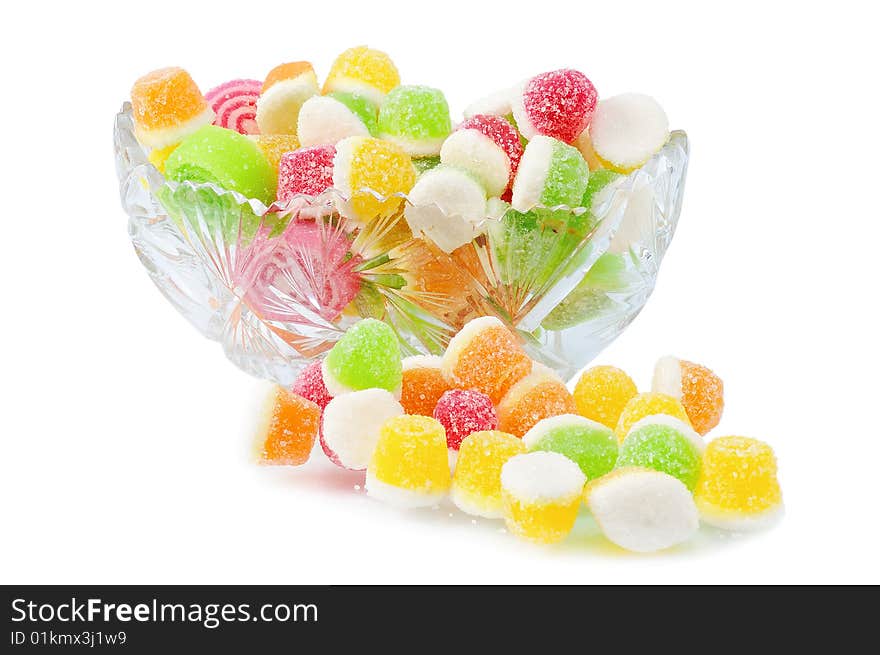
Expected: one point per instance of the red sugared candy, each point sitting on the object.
(559, 104)
(502, 133)
(307, 171)
(463, 412)
(310, 385)
(235, 105)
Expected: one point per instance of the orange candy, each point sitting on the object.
(162, 102)
(535, 397)
(423, 384)
(290, 426)
(700, 391)
(485, 356)
(286, 72)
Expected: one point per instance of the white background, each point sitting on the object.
(125, 434)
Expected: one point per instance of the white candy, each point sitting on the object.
(351, 424)
(531, 176)
(542, 477)
(523, 122)
(667, 377)
(643, 511)
(278, 106)
(626, 130)
(494, 104)
(473, 151)
(448, 206)
(324, 120)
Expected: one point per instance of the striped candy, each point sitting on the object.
(235, 105)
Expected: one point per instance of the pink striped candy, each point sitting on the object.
(235, 105)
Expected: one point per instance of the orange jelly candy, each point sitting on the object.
(289, 428)
(535, 397)
(485, 356)
(423, 384)
(166, 98)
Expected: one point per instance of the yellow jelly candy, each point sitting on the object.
(274, 146)
(363, 71)
(602, 392)
(648, 404)
(738, 489)
(476, 484)
(410, 465)
(541, 494)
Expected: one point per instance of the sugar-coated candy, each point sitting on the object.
(225, 158)
(665, 444)
(367, 356)
(416, 118)
(599, 180)
(488, 147)
(288, 429)
(284, 91)
(351, 423)
(585, 145)
(235, 105)
(310, 385)
(463, 412)
(536, 396)
(425, 164)
(627, 130)
(559, 104)
(589, 444)
(423, 384)
(364, 71)
(448, 206)
(365, 166)
(167, 106)
(647, 404)
(307, 171)
(541, 494)
(329, 119)
(485, 356)
(476, 483)
(274, 146)
(642, 510)
(550, 173)
(738, 489)
(409, 466)
(700, 391)
(497, 103)
(602, 392)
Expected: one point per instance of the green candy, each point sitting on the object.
(226, 158)
(664, 444)
(425, 164)
(416, 118)
(590, 445)
(599, 179)
(361, 107)
(567, 177)
(366, 357)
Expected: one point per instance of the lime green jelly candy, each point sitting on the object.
(665, 444)
(589, 444)
(425, 164)
(361, 107)
(550, 173)
(599, 179)
(366, 357)
(226, 158)
(416, 118)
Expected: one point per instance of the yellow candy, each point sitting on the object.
(275, 145)
(364, 71)
(476, 485)
(648, 404)
(541, 494)
(602, 392)
(738, 489)
(365, 164)
(157, 157)
(410, 465)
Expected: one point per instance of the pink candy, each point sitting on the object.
(307, 171)
(559, 104)
(235, 105)
(310, 385)
(463, 412)
(502, 133)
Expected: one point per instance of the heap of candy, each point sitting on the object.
(545, 143)
(505, 439)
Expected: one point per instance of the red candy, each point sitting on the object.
(310, 385)
(463, 412)
(235, 105)
(306, 171)
(560, 103)
(502, 133)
